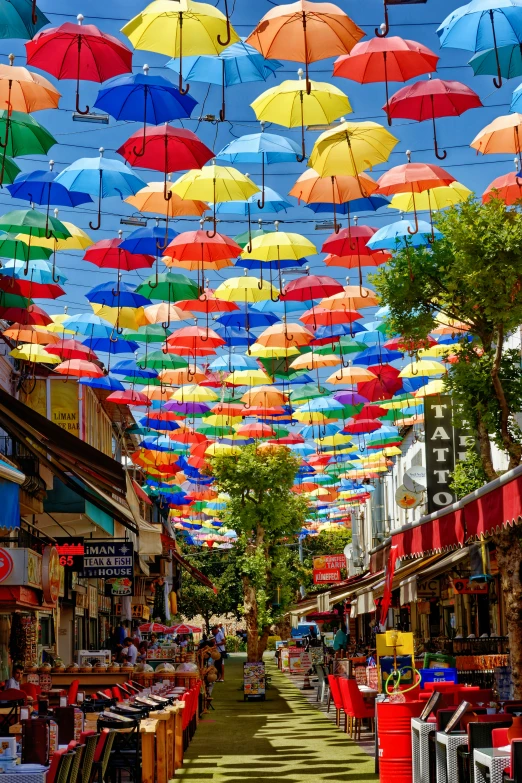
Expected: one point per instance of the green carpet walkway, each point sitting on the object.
(281, 739)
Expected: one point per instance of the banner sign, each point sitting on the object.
(254, 679)
(329, 561)
(71, 551)
(108, 559)
(440, 451)
(326, 575)
(467, 587)
(388, 584)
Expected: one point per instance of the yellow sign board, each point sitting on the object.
(394, 642)
(64, 406)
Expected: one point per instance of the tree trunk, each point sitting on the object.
(485, 450)
(509, 555)
(262, 642)
(250, 614)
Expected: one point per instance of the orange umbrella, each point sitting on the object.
(313, 189)
(414, 178)
(351, 298)
(285, 336)
(375, 258)
(182, 376)
(508, 187)
(502, 135)
(36, 335)
(323, 317)
(305, 31)
(256, 430)
(265, 396)
(79, 368)
(164, 312)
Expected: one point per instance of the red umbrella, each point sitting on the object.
(183, 628)
(129, 397)
(257, 430)
(33, 315)
(322, 317)
(413, 178)
(198, 246)
(153, 628)
(384, 386)
(349, 248)
(288, 439)
(386, 60)
(408, 346)
(206, 303)
(79, 368)
(508, 187)
(166, 149)
(310, 287)
(355, 427)
(74, 51)
(71, 349)
(370, 412)
(430, 99)
(107, 254)
(29, 289)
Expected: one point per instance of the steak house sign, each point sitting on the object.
(444, 447)
(108, 558)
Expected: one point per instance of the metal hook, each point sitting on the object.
(384, 29)
(498, 84)
(229, 29)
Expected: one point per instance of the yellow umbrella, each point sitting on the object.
(272, 352)
(422, 367)
(397, 404)
(292, 105)
(194, 393)
(222, 448)
(314, 361)
(128, 317)
(246, 289)
(180, 28)
(311, 417)
(437, 351)
(351, 148)
(30, 352)
(216, 184)
(351, 375)
(337, 440)
(248, 378)
(433, 387)
(222, 420)
(78, 240)
(428, 200)
(504, 134)
(277, 245)
(57, 325)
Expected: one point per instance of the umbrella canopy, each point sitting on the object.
(190, 28)
(22, 135)
(351, 148)
(504, 134)
(77, 51)
(294, 105)
(151, 198)
(508, 187)
(25, 91)
(305, 32)
(108, 254)
(39, 187)
(435, 198)
(21, 19)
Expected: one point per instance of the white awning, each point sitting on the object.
(365, 602)
(408, 586)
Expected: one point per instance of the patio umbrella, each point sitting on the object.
(430, 99)
(294, 104)
(108, 254)
(351, 148)
(403, 233)
(39, 187)
(166, 149)
(305, 32)
(481, 25)
(509, 58)
(139, 97)
(151, 199)
(352, 243)
(153, 628)
(237, 64)
(75, 51)
(101, 177)
(21, 19)
(385, 60)
(189, 28)
(264, 148)
(215, 183)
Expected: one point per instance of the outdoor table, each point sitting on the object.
(493, 759)
(446, 746)
(176, 711)
(420, 746)
(20, 777)
(162, 755)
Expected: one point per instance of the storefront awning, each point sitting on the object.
(482, 513)
(192, 570)
(425, 572)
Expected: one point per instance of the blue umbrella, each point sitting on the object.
(145, 240)
(482, 25)
(142, 98)
(376, 355)
(101, 177)
(105, 382)
(236, 64)
(516, 100)
(233, 362)
(111, 346)
(273, 202)
(38, 271)
(40, 187)
(369, 204)
(88, 324)
(130, 367)
(116, 294)
(247, 318)
(264, 148)
(287, 263)
(280, 307)
(335, 331)
(396, 235)
(235, 337)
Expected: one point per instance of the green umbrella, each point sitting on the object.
(244, 238)
(20, 19)
(280, 432)
(11, 171)
(33, 223)
(171, 287)
(157, 360)
(14, 300)
(152, 333)
(137, 430)
(215, 432)
(22, 135)
(345, 345)
(21, 251)
(307, 391)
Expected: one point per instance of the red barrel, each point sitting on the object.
(394, 739)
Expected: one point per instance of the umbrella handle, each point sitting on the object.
(229, 31)
(183, 90)
(261, 201)
(34, 15)
(78, 110)
(300, 158)
(440, 155)
(98, 225)
(212, 234)
(166, 196)
(498, 84)
(135, 149)
(155, 285)
(386, 30)
(416, 231)
(55, 278)
(222, 111)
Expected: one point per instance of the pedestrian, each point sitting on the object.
(219, 639)
(154, 644)
(142, 652)
(130, 652)
(339, 642)
(121, 633)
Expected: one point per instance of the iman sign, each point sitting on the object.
(108, 559)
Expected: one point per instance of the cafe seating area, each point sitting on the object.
(124, 733)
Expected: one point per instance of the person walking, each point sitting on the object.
(219, 639)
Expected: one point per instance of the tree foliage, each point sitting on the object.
(468, 475)
(472, 275)
(266, 515)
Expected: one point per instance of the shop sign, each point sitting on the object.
(108, 559)
(92, 597)
(294, 660)
(329, 561)
(428, 588)
(326, 575)
(51, 574)
(71, 551)
(64, 406)
(20, 567)
(467, 587)
(440, 451)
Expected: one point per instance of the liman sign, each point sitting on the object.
(108, 558)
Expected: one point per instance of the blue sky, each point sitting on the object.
(417, 22)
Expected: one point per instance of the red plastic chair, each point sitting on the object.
(72, 693)
(499, 738)
(475, 695)
(186, 699)
(335, 696)
(85, 734)
(117, 693)
(31, 690)
(347, 704)
(100, 747)
(361, 710)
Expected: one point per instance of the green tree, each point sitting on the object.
(473, 275)
(266, 515)
(221, 567)
(328, 542)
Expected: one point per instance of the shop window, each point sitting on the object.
(46, 631)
